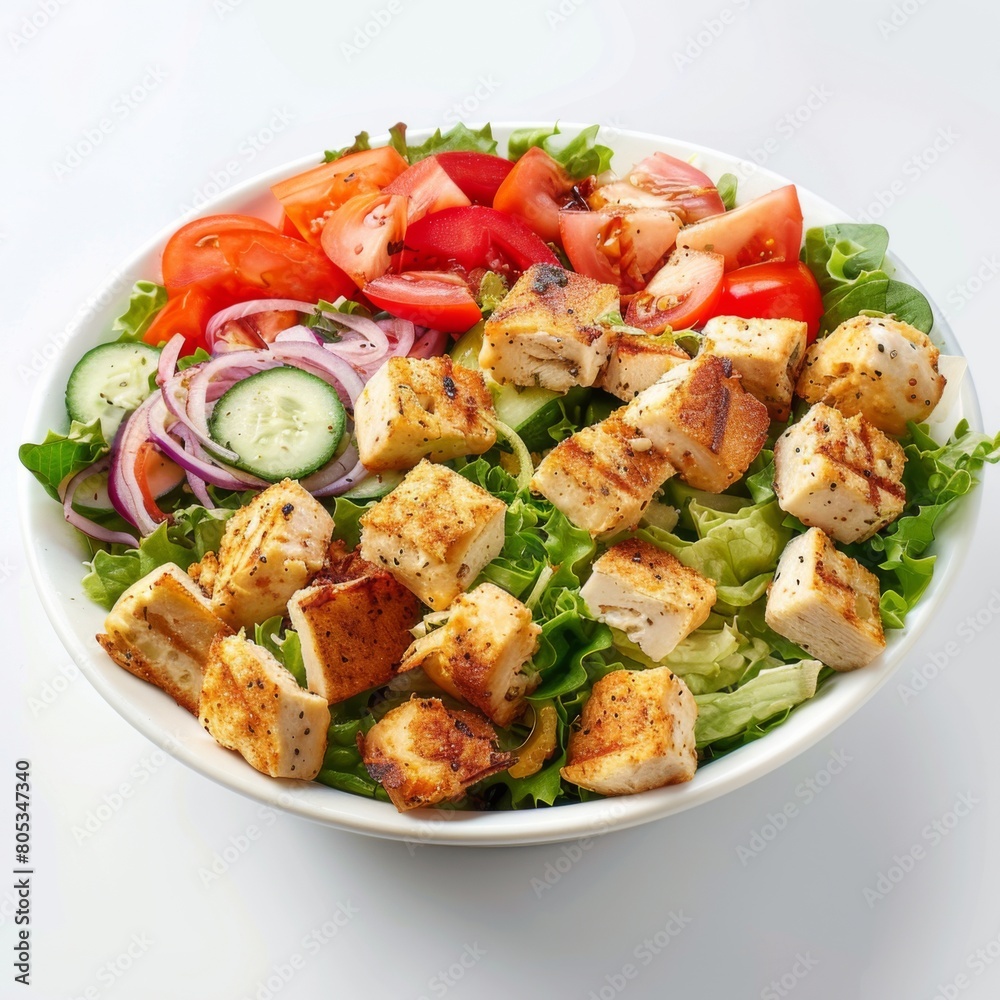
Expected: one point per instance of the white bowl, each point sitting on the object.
(55, 556)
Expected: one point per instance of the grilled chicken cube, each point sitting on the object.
(547, 330)
(423, 753)
(603, 477)
(766, 353)
(635, 732)
(637, 361)
(204, 572)
(414, 408)
(479, 653)
(881, 368)
(271, 548)
(161, 629)
(826, 602)
(840, 474)
(250, 703)
(353, 634)
(434, 533)
(648, 594)
(699, 416)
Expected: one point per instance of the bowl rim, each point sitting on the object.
(141, 705)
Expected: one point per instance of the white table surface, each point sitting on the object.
(187, 889)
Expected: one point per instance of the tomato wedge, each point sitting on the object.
(473, 237)
(428, 187)
(776, 289)
(534, 191)
(428, 298)
(479, 175)
(691, 193)
(618, 247)
(763, 229)
(187, 314)
(364, 234)
(682, 293)
(309, 198)
(191, 253)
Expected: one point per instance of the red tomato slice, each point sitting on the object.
(763, 229)
(187, 314)
(776, 289)
(691, 193)
(534, 191)
(621, 195)
(191, 253)
(681, 294)
(364, 234)
(618, 247)
(479, 175)
(473, 237)
(288, 228)
(309, 198)
(428, 298)
(429, 189)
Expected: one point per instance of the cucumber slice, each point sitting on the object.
(529, 410)
(110, 381)
(374, 486)
(282, 423)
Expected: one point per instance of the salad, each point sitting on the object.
(495, 482)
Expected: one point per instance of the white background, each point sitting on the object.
(219, 92)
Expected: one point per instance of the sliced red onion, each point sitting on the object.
(123, 487)
(199, 487)
(401, 334)
(84, 524)
(327, 365)
(343, 483)
(192, 458)
(168, 359)
(243, 309)
(429, 344)
(296, 335)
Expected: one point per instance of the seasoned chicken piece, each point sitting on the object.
(342, 564)
(270, 548)
(635, 732)
(423, 753)
(204, 572)
(434, 532)
(637, 361)
(161, 629)
(648, 594)
(353, 634)
(479, 653)
(766, 353)
(881, 368)
(250, 703)
(840, 474)
(414, 408)
(547, 330)
(699, 417)
(603, 477)
(826, 602)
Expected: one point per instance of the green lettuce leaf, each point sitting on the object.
(146, 301)
(580, 156)
(459, 138)
(726, 187)
(193, 532)
(772, 692)
(286, 648)
(60, 456)
(839, 254)
(360, 143)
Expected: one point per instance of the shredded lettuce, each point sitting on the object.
(580, 156)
